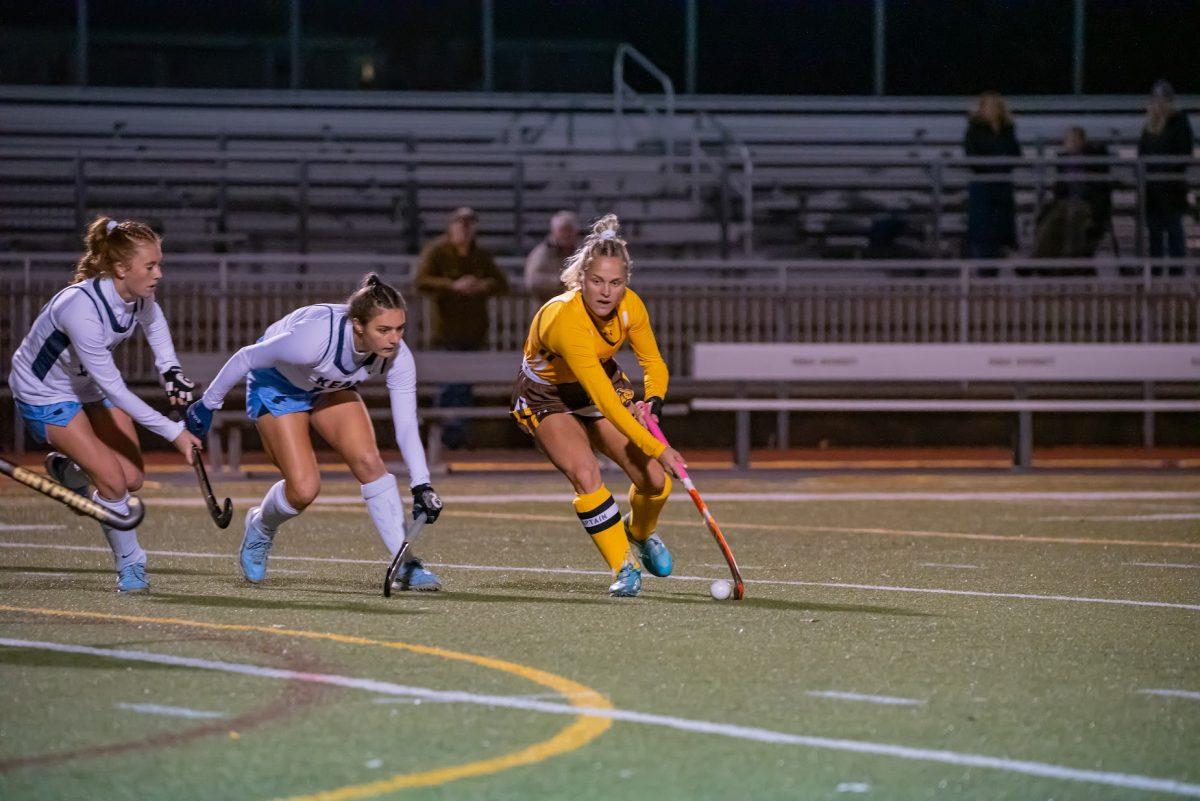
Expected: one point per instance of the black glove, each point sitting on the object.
(427, 501)
(655, 404)
(181, 390)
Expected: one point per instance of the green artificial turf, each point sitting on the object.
(835, 602)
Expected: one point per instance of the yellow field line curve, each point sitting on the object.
(578, 733)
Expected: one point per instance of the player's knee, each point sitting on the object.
(134, 479)
(367, 466)
(584, 476)
(651, 485)
(303, 492)
(110, 485)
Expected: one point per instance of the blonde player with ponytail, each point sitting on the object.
(65, 366)
(302, 373)
(572, 397)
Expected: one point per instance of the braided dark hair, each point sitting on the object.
(371, 296)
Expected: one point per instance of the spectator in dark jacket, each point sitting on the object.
(459, 276)
(991, 211)
(1074, 222)
(1165, 133)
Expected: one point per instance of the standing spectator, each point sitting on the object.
(1165, 133)
(991, 211)
(460, 276)
(544, 264)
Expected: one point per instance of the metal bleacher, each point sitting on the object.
(226, 171)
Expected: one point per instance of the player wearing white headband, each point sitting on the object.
(65, 366)
(303, 372)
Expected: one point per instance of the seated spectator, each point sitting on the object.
(544, 264)
(890, 237)
(1080, 212)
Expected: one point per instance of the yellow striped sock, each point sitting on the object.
(646, 509)
(601, 519)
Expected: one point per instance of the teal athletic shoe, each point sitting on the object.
(628, 583)
(255, 547)
(132, 578)
(63, 470)
(653, 552)
(414, 576)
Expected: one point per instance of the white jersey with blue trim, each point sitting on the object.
(67, 354)
(327, 331)
(313, 349)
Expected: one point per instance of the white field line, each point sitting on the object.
(193, 554)
(1164, 564)
(346, 503)
(950, 565)
(1189, 694)
(171, 711)
(1028, 768)
(23, 527)
(853, 787)
(570, 571)
(44, 573)
(889, 700)
(760, 497)
(1133, 518)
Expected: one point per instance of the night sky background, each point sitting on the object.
(787, 47)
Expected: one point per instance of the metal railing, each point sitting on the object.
(663, 121)
(731, 150)
(216, 304)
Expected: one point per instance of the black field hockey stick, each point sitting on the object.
(401, 555)
(72, 500)
(220, 516)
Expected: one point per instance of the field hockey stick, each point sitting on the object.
(73, 500)
(739, 587)
(398, 560)
(220, 516)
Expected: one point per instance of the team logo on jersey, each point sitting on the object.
(329, 385)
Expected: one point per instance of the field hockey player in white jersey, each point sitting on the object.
(303, 372)
(64, 366)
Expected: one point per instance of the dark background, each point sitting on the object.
(766, 47)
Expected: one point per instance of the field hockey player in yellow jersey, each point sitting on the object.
(572, 397)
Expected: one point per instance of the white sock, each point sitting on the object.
(275, 510)
(386, 510)
(124, 544)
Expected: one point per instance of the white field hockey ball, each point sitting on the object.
(720, 589)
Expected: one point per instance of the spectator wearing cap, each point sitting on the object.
(1166, 132)
(544, 265)
(459, 276)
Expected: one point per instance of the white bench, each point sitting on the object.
(1017, 365)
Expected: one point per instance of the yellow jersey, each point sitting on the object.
(567, 344)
